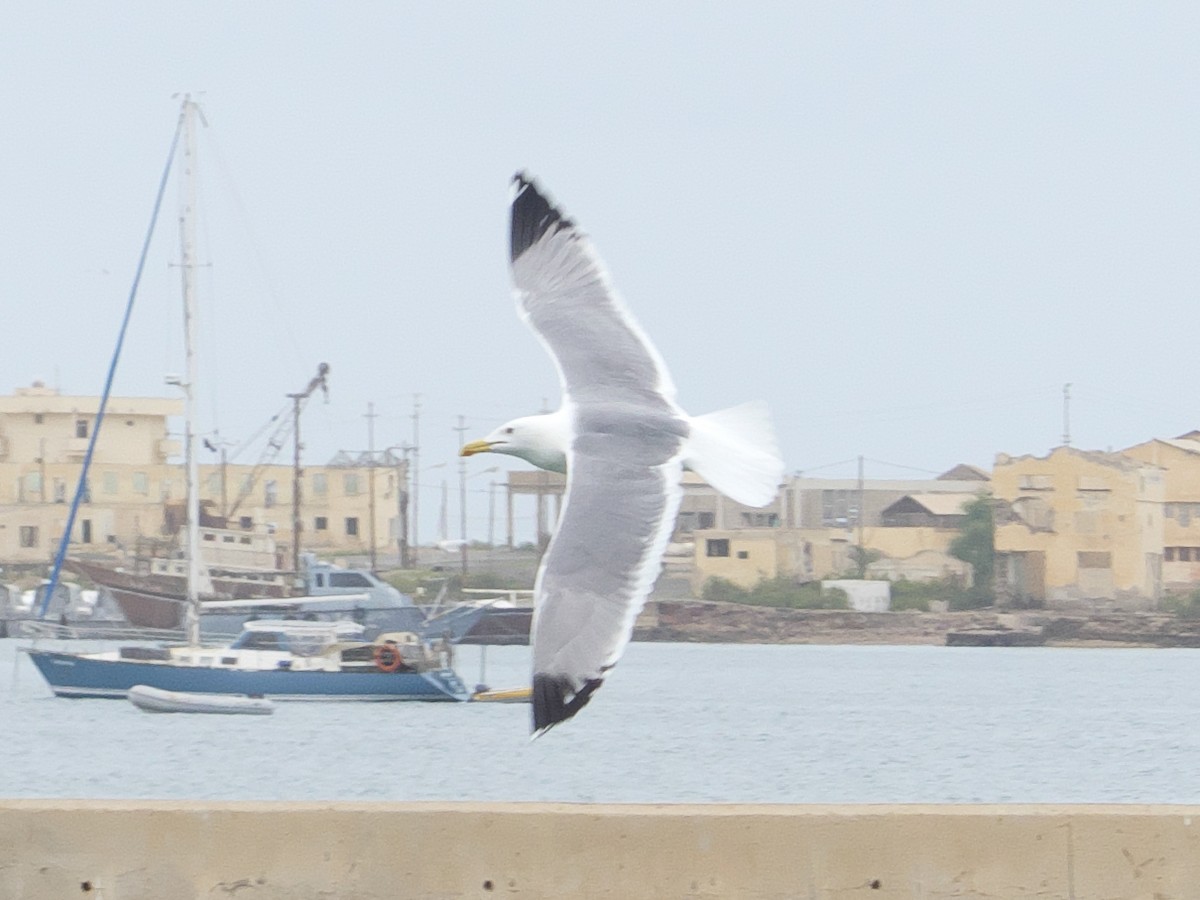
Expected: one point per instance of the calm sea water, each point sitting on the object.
(674, 723)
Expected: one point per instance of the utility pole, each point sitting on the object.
(492, 516)
(862, 499)
(371, 481)
(416, 480)
(1067, 415)
(320, 380)
(402, 498)
(461, 428)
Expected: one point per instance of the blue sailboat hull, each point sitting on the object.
(73, 675)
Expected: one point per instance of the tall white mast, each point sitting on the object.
(187, 233)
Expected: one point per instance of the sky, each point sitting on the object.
(904, 226)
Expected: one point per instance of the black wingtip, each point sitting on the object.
(550, 703)
(532, 215)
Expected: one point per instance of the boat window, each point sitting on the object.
(260, 640)
(307, 644)
(348, 579)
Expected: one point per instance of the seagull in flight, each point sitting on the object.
(623, 443)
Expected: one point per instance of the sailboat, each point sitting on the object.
(279, 659)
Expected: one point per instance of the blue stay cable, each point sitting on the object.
(81, 488)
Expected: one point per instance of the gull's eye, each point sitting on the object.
(508, 431)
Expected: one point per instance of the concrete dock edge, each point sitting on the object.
(117, 850)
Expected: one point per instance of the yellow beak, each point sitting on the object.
(475, 447)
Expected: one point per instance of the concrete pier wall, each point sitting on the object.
(117, 850)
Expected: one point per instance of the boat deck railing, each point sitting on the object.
(97, 631)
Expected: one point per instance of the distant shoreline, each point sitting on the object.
(712, 622)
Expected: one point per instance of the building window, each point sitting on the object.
(1185, 554)
(717, 547)
(60, 491)
(320, 523)
(271, 496)
(839, 508)
(350, 483)
(743, 554)
(29, 536)
(706, 520)
(38, 418)
(141, 483)
(85, 531)
(320, 484)
(110, 482)
(352, 527)
(1035, 482)
(245, 523)
(1094, 559)
(1168, 554)
(81, 428)
(760, 520)
(29, 486)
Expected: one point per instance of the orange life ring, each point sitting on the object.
(387, 658)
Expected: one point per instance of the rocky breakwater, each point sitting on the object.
(1119, 629)
(701, 621)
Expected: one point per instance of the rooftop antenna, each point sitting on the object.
(1067, 414)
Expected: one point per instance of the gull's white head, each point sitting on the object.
(541, 440)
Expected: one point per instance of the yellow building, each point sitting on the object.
(812, 530)
(136, 478)
(749, 555)
(1078, 528)
(1180, 460)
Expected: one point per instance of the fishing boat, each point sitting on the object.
(153, 700)
(275, 659)
(287, 659)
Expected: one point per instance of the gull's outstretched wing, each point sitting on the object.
(623, 463)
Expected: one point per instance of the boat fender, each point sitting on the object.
(387, 658)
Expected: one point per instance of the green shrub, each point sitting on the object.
(920, 594)
(722, 589)
(1186, 606)
(778, 592)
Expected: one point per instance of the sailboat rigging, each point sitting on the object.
(300, 660)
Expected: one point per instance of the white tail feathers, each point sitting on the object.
(735, 451)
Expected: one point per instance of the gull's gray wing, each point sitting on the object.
(564, 294)
(623, 465)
